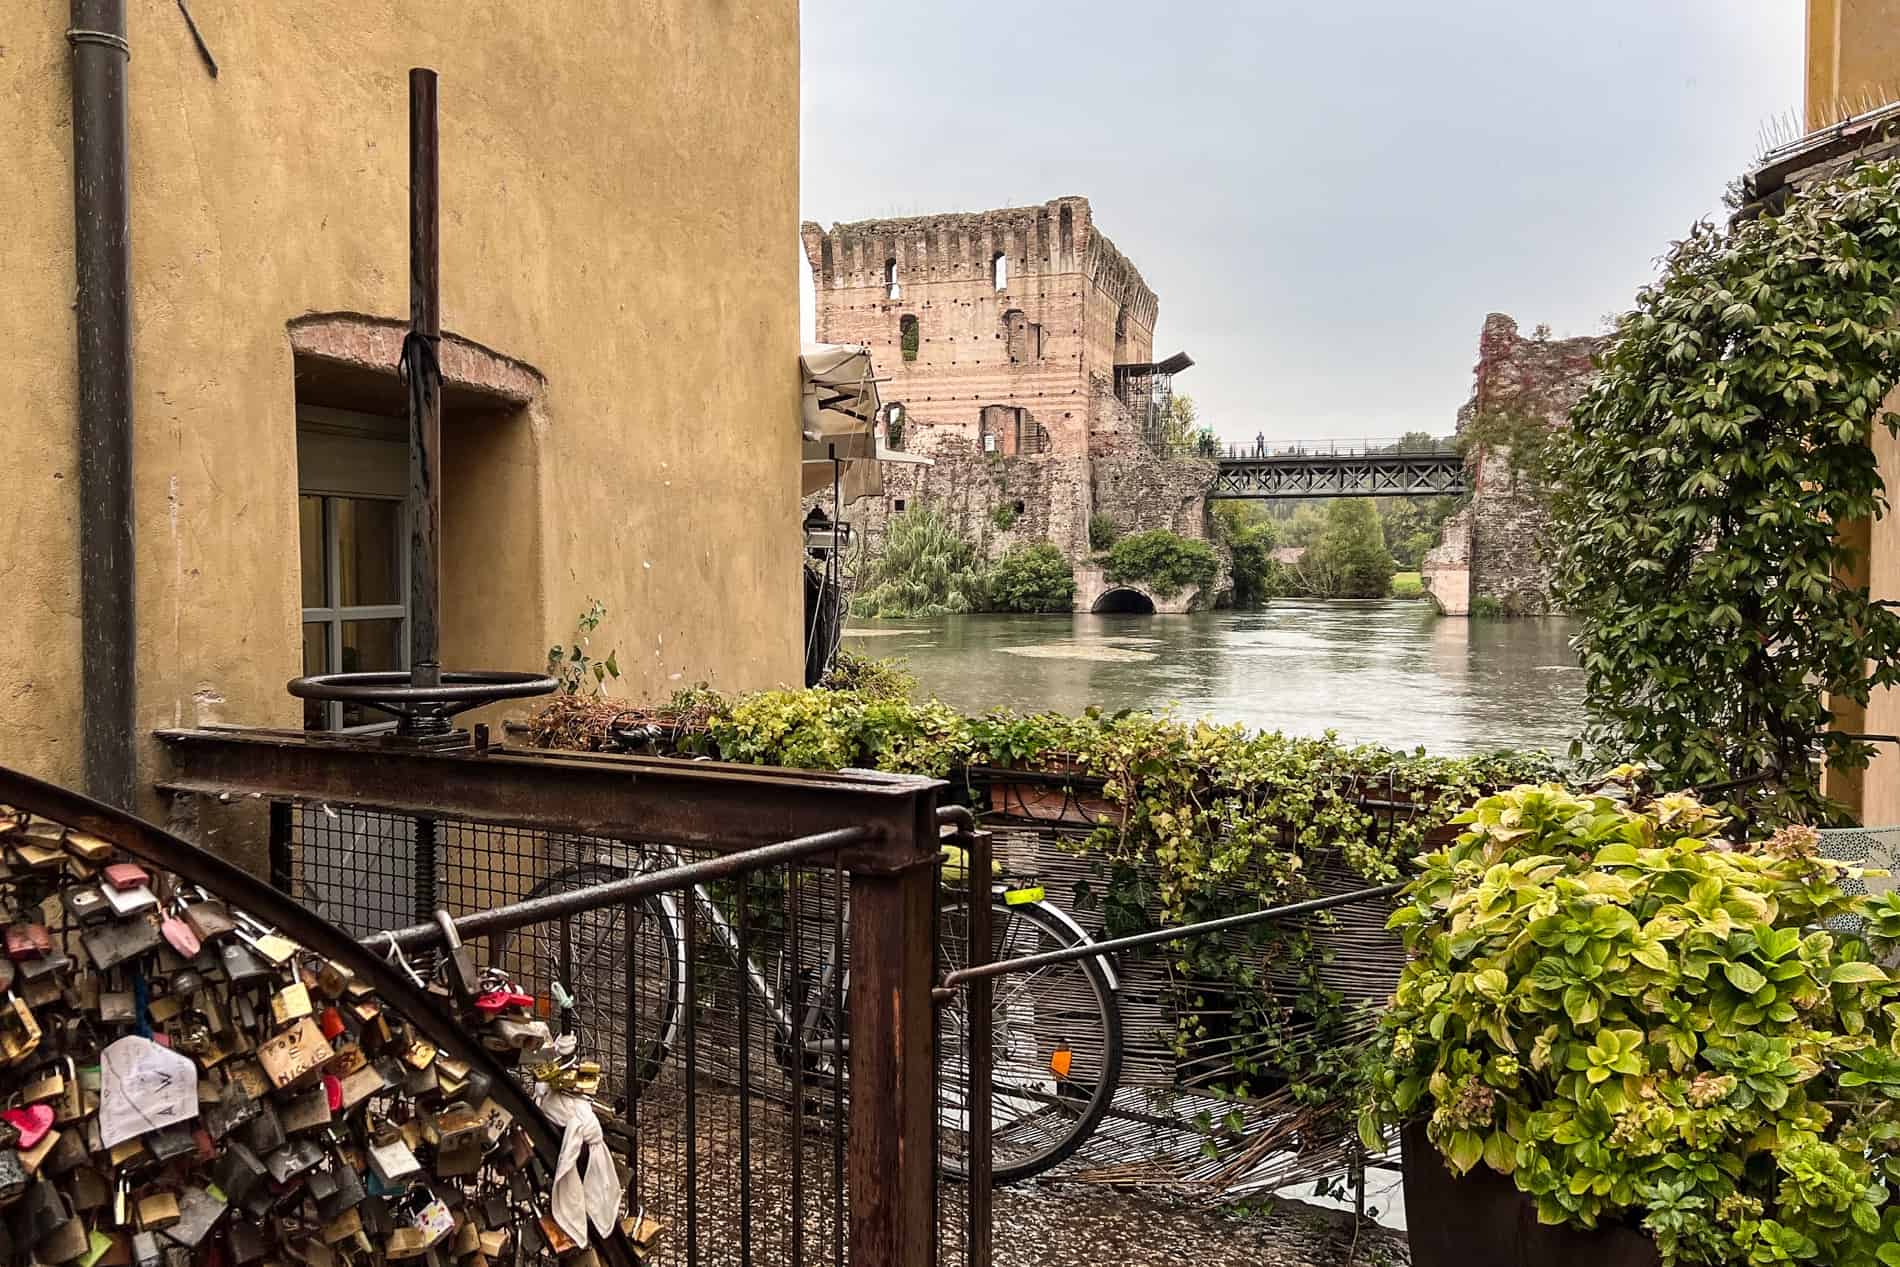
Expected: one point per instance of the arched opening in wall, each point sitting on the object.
(891, 289)
(909, 335)
(1123, 602)
(1066, 231)
(894, 425)
(999, 270)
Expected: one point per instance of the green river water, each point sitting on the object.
(1385, 672)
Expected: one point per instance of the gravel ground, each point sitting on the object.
(1080, 1226)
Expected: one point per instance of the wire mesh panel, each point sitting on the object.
(717, 1013)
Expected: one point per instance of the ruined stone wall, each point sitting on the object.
(1141, 490)
(1032, 344)
(1491, 548)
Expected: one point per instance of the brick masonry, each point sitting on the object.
(997, 333)
(1491, 548)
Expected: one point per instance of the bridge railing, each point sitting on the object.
(1262, 447)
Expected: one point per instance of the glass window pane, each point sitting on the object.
(370, 646)
(368, 549)
(310, 539)
(316, 659)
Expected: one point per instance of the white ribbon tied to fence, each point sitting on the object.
(577, 1200)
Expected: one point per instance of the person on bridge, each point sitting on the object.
(1260, 444)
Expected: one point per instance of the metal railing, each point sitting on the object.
(1263, 448)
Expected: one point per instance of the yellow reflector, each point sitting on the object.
(1017, 897)
(1059, 1063)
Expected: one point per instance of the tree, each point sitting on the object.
(1178, 424)
(1348, 558)
(1250, 539)
(1032, 577)
(926, 569)
(1701, 488)
(1166, 563)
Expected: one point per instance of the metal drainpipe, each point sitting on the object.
(103, 254)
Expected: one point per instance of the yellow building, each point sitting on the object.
(1853, 66)
(619, 196)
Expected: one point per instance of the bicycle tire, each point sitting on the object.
(1009, 1079)
(598, 956)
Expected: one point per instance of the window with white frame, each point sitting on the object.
(352, 471)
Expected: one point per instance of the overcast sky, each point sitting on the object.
(1327, 197)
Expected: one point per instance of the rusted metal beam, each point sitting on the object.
(689, 804)
(422, 375)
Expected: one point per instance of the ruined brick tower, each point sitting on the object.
(1017, 347)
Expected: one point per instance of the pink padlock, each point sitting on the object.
(32, 1122)
(178, 933)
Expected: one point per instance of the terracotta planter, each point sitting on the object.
(1482, 1220)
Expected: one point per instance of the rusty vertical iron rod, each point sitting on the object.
(102, 257)
(424, 381)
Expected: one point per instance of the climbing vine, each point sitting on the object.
(1702, 489)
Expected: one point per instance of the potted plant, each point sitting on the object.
(1624, 1039)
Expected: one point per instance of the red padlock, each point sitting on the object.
(495, 1002)
(28, 941)
(126, 875)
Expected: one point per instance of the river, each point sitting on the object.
(1382, 671)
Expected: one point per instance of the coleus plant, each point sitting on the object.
(1640, 1021)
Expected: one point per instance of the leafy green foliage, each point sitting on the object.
(1004, 516)
(1180, 426)
(1701, 489)
(925, 569)
(1407, 585)
(1487, 607)
(1637, 1020)
(1206, 821)
(1103, 531)
(908, 333)
(869, 676)
(1250, 538)
(1033, 577)
(1348, 558)
(1164, 562)
(574, 666)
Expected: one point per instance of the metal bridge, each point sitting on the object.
(1410, 467)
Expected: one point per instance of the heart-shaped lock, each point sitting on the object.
(32, 1122)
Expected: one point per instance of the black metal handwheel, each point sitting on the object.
(423, 710)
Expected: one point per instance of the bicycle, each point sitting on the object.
(1055, 1033)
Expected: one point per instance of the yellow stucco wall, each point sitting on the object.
(1853, 57)
(619, 184)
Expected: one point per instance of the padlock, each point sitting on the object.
(347, 1195)
(129, 902)
(67, 1241)
(34, 1156)
(238, 1170)
(171, 1142)
(89, 849)
(68, 1151)
(247, 1242)
(264, 1133)
(145, 1251)
(277, 949)
(293, 1159)
(158, 1210)
(391, 1159)
(12, 1175)
(209, 919)
(27, 941)
(295, 1052)
(290, 1003)
(306, 1111)
(241, 967)
(124, 876)
(198, 1212)
(85, 904)
(119, 941)
(464, 980)
(180, 937)
(88, 1189)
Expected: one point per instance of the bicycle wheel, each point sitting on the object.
(1055, 1044)
(595, 974)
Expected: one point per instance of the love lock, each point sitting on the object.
(463, 979)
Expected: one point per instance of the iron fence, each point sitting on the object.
(712, 934)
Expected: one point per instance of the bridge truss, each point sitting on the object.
(1370, 470)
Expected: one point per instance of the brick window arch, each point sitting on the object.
(891, 289)
(909, 335)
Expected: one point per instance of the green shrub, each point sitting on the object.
(1103, 531)
(1004, 517)
(1485, 607)
(1034, 577)
(868, 676)
(926, 569)
(1167, 564)
(1250, 538)
(1640, 1022)
(1408, 585)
